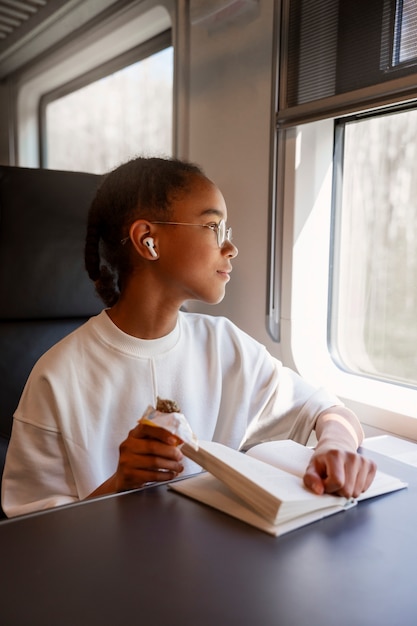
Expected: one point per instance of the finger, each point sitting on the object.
(155, 463)
(133, 449)
(327, 469)
(134, 470)
(372, 467)
(139, 478)
(321, 474)
(313, 480)
(358, 475)
(364, 477)
(142, 431)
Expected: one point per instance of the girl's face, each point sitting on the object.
(191, 263)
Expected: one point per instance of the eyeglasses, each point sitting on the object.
(223, 234)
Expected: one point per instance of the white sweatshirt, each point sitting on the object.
(88, 391)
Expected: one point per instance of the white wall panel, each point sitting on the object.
(229, 136)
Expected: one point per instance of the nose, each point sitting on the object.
(230, 249)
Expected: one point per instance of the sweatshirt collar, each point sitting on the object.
(121, 341)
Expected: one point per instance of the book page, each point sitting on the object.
(287, 455)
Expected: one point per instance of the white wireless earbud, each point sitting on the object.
(150, 244)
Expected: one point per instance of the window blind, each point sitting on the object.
(343, 56)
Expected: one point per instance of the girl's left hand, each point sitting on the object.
(339, 472)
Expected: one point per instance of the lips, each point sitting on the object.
(224, 273)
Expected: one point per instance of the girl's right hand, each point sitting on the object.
(148, 454)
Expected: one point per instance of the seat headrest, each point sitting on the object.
(43, 215)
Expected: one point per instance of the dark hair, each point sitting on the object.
(142, 187)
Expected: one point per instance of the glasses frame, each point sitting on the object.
(223, 234)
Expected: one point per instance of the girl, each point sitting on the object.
(157, 237)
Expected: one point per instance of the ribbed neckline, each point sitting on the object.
(121, 341)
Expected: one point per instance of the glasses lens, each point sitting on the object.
(221, 233)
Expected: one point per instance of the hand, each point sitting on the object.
(339, 472)
(148, 454)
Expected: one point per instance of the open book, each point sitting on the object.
(264, 487)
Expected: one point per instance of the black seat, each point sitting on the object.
(45, 290)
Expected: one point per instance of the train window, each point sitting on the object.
(374, 294)
(107, 121)
(348, 208)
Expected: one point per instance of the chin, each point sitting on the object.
(207, 298)
(217, 300)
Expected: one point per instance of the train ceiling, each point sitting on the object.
(29, 27)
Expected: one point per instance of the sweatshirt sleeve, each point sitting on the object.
(38, 474)
(289, 407)
(39, 456)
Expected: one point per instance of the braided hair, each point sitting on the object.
(141, 188)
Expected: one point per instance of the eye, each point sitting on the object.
(213, 226)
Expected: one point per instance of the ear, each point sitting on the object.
(139, 232)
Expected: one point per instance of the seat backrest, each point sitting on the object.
(45, 290)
